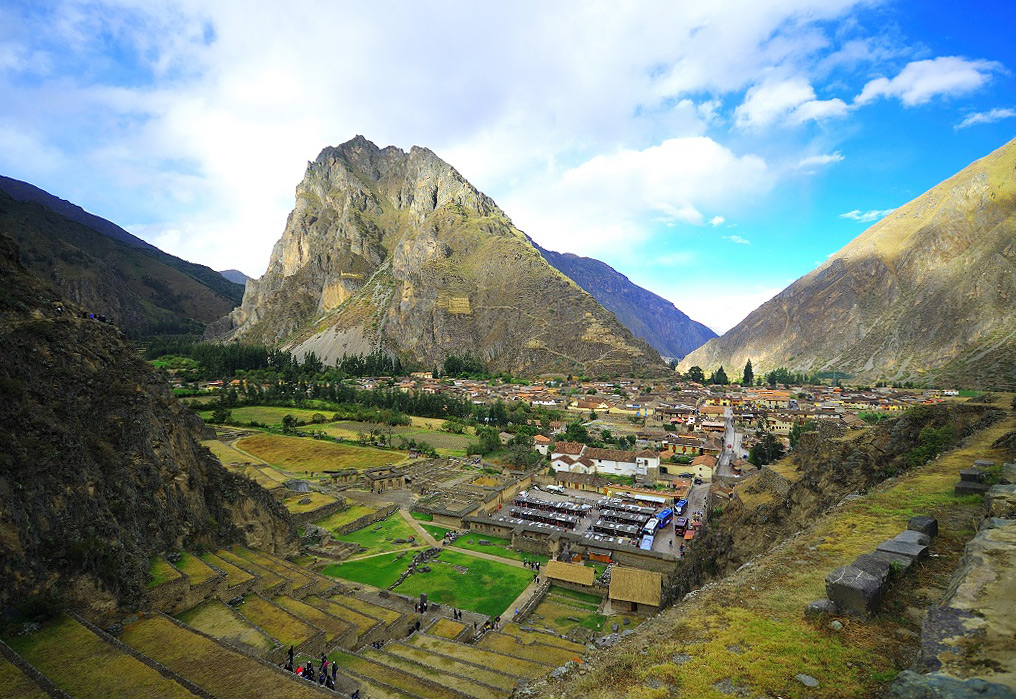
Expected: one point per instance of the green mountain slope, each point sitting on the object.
(926, 294)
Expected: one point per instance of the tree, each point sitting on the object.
(695, 374)
(220, 415)
(719, 377)
(288, 424)
(766, 450)
(749, 375)
(798, 429)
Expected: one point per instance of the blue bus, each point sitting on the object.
(665, 517)
(679, 506)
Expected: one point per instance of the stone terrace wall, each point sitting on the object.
(304, 518)
(367, 519)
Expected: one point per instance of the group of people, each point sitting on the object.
(324, 677)
(457, 614)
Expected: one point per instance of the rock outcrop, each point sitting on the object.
(395, 251)
(926, 292)
(650, 317)
(100, 465)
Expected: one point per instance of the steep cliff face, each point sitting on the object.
(396, 251)
(927, 291)
(100, 465)
(650, 317)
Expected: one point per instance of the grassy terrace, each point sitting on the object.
(380, 536)
(299, 577)
(284, 627)
(340, 519)
(467, 582)
(310, 456)
(514, 629)
(330, 624)
(269, 579)
(196, 569)
(217, 620)
(223, 672)
(560, 615)
(774, 640)
(388, 616)
(377, 571)
(537, 652)
(477, 656)
(17, 685)
(498, 547)
(225, 453)
(161, 571)
(460, 684)
(234, 576)
(446, 628)
(447, 662)
(394, 677)
(362, 622)
(435, 530)
(83, 665)
(317, 501)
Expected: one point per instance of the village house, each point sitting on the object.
(579, 458)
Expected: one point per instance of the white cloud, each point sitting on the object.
(737, 239)
(867, 216)
(721, 311)
(988, 117)
(812, 162)
(785, 102)
(920, 81)
(716, 221)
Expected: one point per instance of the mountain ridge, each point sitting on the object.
(649, 316)
(922, 295)
(395, 251)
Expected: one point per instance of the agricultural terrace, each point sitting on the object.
(497, 546)
(219, 621)
(377, 571)
(301, 454)
(380, 537)
(340, 519)
(295, 504)
(225, 453)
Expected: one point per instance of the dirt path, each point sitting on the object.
(424, 534)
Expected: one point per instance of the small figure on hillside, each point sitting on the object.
(335, 670)
(291, 654)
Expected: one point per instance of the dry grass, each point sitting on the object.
(215, 619)
(196, 570)
(284, 627)
(226, 454)
(477, 656)
(331, 625)
(444, 662)
(362, 622)
(462, 684)
(83, 665)
(514, 629)
(388, 616)
(305, 455)
(393, 677)
(294, 574)
(446, 628)
(161, 571)
(16, 684)
(234, 576)
(536, 652)
(223, 672)
(317, 501)
(270, 580)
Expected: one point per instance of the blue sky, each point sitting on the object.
(712, 151)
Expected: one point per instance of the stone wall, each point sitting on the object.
(367, 519)
(302, 519)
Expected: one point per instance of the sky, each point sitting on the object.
(713, 151)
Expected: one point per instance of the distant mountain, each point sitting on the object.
(144, 290)
(395, 251)
(925, 294)
(25, 192)
(235, 276)
(653, 318)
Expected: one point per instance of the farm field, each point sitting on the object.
(377, 571)
(225, 453)
(379, 537)
(306, 455)
(446, 444)
(269, 415)
(467, 582)
(344, 517)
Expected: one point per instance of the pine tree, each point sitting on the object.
(749, 375)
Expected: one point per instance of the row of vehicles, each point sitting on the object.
(675, 516)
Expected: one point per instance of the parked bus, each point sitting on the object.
(651, 527)
(665, 517)
(679, 507)
(680, 524)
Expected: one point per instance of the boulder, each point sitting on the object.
(1008, 474)
(1000, 501)
(912, 685)
(854, 591)
(925, 525)
(819, 607)
(909, 536)
(874, 566)
(915, 552)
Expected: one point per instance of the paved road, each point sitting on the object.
(733, 438)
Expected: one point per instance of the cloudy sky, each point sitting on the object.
(713, 151)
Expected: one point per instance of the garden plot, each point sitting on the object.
(270, 580)
(399, 679)
(446, 628)
(389, 616)
(514, 629)
(292, 573)
(196, 569)
(362, 622)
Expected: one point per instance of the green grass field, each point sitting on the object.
(161, 571)
(268, 415)
(344, 517)
(379, 571)
(435, 531)
(498, 547)
(446, 444)
(317, 501)
(216, 620)
(422, 516)
(306, 455)
(196, 569)
(486, 587)
(381, 541)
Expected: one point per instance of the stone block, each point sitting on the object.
(972, 475)
(984, 463)
(1000, 501)
(1008, 474)
(911, 537)
(915, 552)
(854, 591)
(873, 565)
(925, 525)
(898, 562)
(816, 609)
(911, 685)
(970, 488)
